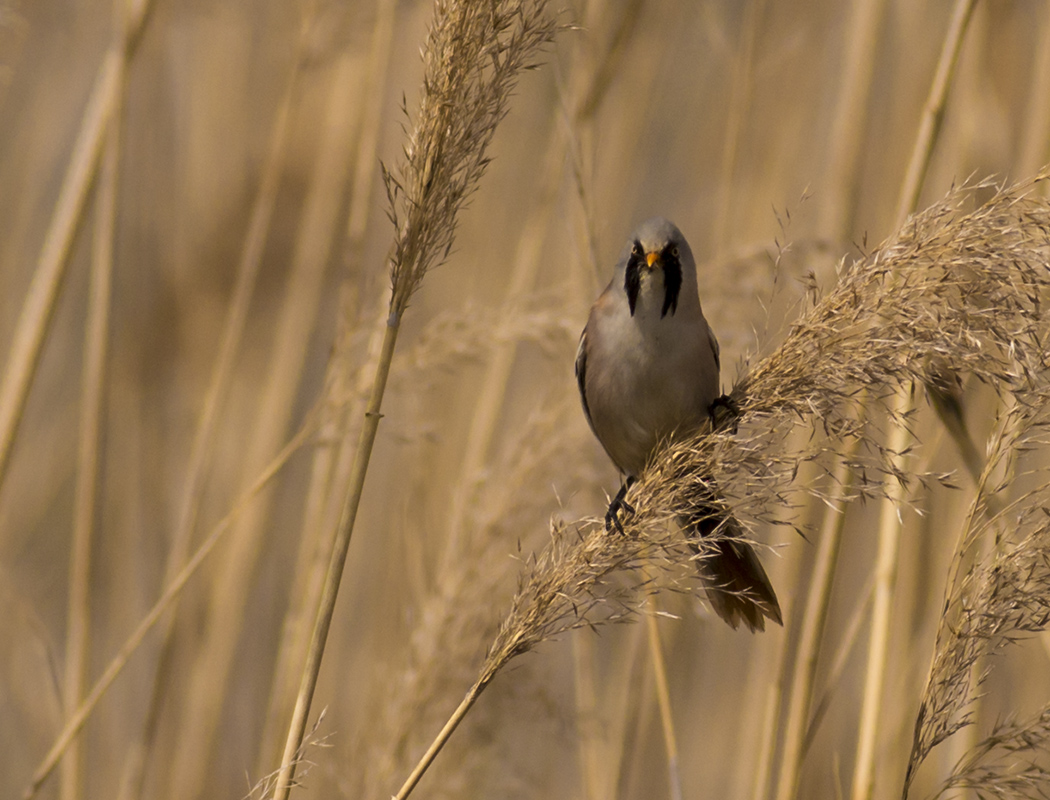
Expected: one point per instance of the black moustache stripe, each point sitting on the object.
(672, 283)
(632, 281)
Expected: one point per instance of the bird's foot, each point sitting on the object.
(724, 412)
(619, 503)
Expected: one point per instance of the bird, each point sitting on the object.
(648, 370)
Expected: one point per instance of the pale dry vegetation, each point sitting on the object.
(203, 208)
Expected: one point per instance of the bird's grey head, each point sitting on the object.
(657, 256)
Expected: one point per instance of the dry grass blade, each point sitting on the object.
(472, 58)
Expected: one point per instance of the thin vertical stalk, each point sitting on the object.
(739, 101)
(837, 214)
(933, 111)
(890, 521)
(882, 613)
(78, 635)
(1034, 149)
(663, 698)
(818, 600)
(851, 114)
(588, 737)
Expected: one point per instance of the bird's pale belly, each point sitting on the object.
(650, 409)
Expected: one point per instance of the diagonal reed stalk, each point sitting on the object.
(39, 305)
(81, 713)
(472, 58)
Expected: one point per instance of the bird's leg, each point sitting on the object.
(619, 503)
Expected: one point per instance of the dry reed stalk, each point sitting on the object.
(890, 524)
(849, 639)
(218, 388)
(663, 699)
(758, 784)
(472, 58)
(768, 727)
(811, 633)
(330, 468)
(1034, 150)
(739, 104)
(79, 716)
(759, 725)
(608, 725)
(38, 308)
(588, 727)
(88, 447)
(890, 520)
(850, 117)
(293, 328)
(961, 286)
(630, 700)
(933, 111)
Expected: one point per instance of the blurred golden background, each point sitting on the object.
(238, 187)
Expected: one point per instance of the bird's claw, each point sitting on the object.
(724, 412)
(618, 504)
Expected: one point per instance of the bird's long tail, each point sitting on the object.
(735, 581)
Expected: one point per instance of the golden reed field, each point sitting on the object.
(272, 274)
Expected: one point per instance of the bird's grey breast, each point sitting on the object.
(647, 376)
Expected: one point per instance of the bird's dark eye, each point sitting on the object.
(674, 251)
(637, 250)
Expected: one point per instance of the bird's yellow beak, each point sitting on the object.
(652, 258)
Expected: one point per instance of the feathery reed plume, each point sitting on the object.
(472, 57)
(1003, 765)
(965, 286)
(471, 61)
(988, 606)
